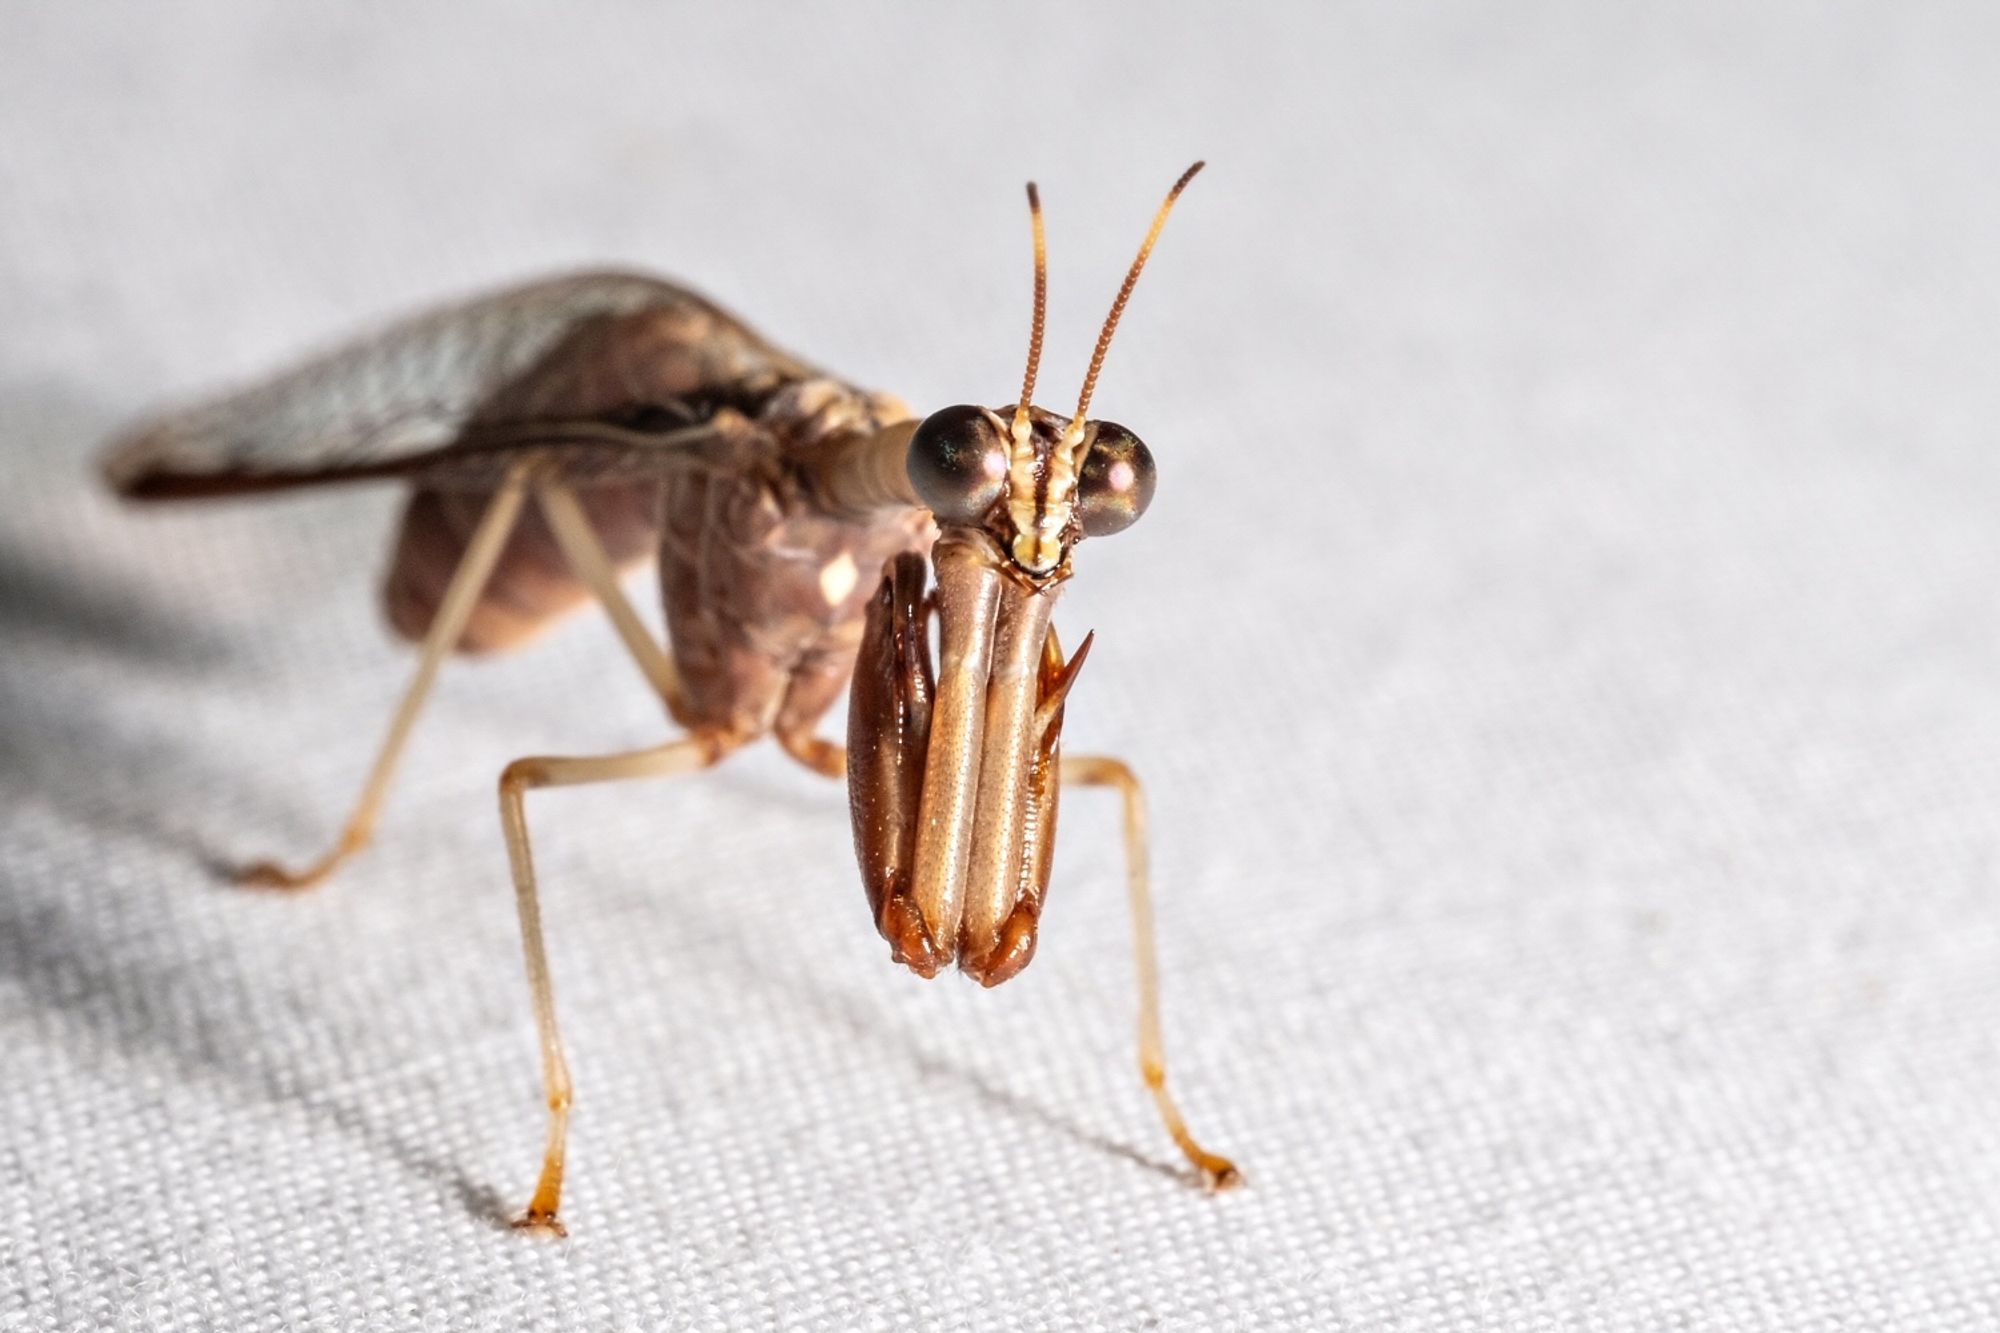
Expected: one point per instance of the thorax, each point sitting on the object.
(759, 582)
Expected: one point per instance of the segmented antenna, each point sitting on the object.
(1075, 431)
(1041, 314)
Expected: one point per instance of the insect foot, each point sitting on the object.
(1217, 1172)
(1217, 1176)
(535, 1219)
(271, 875)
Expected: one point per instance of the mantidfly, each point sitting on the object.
(790, 513)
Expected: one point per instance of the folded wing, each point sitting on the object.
(610, 364)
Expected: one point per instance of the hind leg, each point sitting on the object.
(587, 557)
(459, 599)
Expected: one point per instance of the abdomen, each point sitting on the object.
(531, 585)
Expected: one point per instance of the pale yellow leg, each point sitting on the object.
(586, 556)
(460, 596)
(1217, 1172)
(522, 776)
(822, 756)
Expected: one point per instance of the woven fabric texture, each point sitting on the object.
(1563, 654)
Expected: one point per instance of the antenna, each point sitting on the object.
(1075, 430)
(1041, 315)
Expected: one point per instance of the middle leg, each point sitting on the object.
(1217, 1172)
(816, 682)
(686, 755)
(822, 756)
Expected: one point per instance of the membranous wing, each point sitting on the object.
(609, 365)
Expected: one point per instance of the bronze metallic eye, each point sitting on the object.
(1117, 481)
(958, 463)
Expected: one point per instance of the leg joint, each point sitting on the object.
(1100, 770)
(1119, 773)
(523, 774)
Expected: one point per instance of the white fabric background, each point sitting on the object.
(1563, 653)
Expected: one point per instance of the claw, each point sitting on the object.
(910, 941)
(1011, 952)
(1218, 1174)
(535, 1219)
(271, 875)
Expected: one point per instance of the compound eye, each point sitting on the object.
(958, 463)
(1117, 481)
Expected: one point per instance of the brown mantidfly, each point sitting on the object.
(790, 514)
